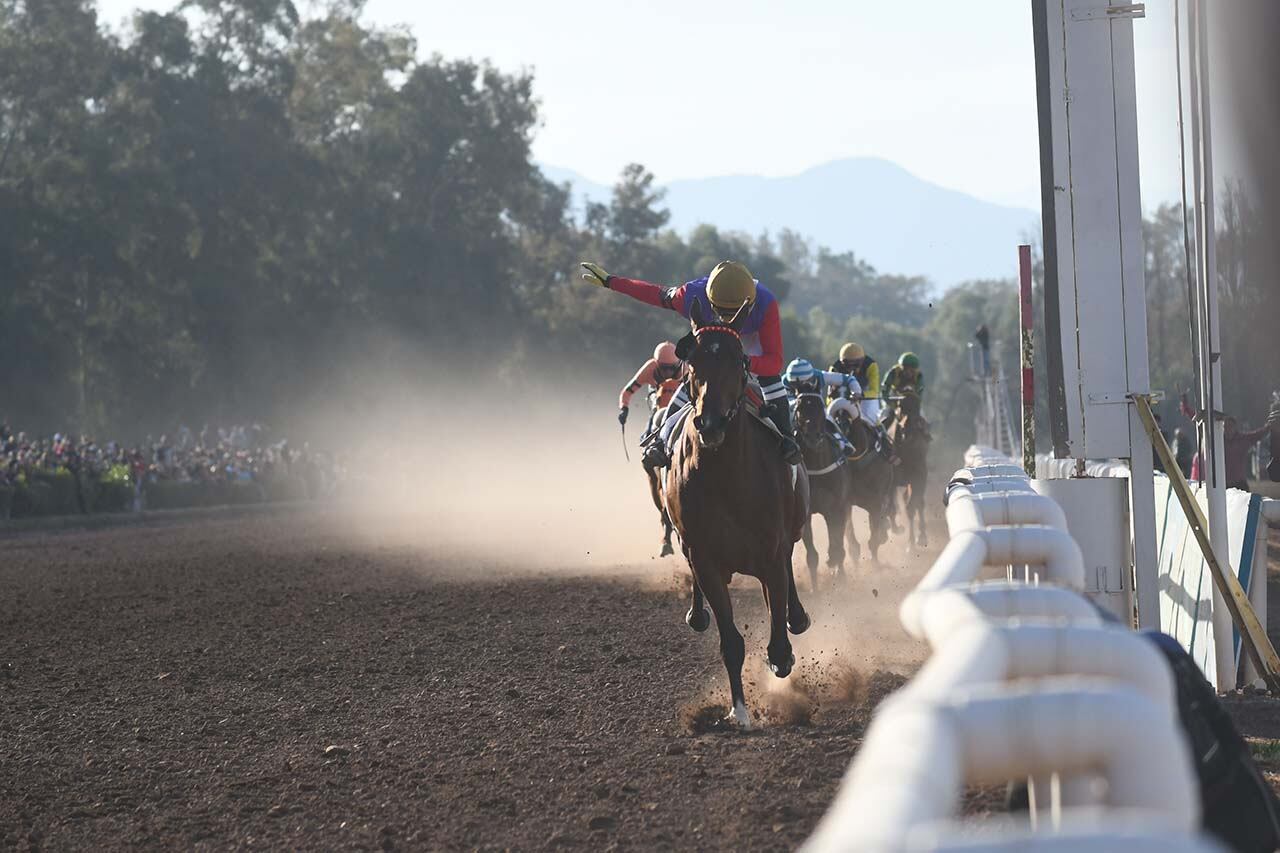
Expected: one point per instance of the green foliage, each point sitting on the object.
(233, 209)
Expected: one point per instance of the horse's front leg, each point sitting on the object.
(810, 552)
(851, 537)
(797, 618)
(777, 596)
(923, 541)
(836, 523)
(698, 618)
(733, 649)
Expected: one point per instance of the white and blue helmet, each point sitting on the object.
(802, 377)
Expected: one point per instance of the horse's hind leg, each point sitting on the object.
(733, 649)
(667, 550)
(698, 618)
(797, 618)
(776, 595)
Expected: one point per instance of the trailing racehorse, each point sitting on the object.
(829, 485)
(871, 478)
(738, 507)
(910, 432)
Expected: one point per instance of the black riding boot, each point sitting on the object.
(655, 454)
(779, 411)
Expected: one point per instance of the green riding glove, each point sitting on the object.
(594, 274)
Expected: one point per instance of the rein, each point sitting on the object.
(818, 472)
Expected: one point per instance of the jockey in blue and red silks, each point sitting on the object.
(729, 286)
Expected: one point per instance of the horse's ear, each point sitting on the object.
(740, 317)
(684, 346)
(695, 314)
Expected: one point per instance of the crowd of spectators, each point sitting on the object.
(187, 468)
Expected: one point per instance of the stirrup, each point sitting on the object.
(656, 456)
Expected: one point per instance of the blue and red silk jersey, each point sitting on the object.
(761, 331)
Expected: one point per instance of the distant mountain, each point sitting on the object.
(881, 212)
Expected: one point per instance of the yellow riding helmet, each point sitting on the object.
(729, 287)
(665, 353)
(852, 352)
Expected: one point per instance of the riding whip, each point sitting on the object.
(624, 443)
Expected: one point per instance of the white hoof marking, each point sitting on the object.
(741, 717)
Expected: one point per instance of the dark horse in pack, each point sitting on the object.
(910, 432)
(830, 490)
(871, 479)
(738, 507)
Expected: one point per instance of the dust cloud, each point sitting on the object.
(535, 481)
(539, 483)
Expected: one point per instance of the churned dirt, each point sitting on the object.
(474, 670)
(290, 679)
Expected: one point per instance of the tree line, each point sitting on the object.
(228, 211)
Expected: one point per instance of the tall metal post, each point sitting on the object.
(1213, 465)
(1028, 361)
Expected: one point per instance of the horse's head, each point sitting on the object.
(717, 373)
(909, 405)
(811, 416)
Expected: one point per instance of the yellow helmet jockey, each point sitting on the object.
(729, 287)
(851, 352)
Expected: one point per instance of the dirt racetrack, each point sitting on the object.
(272, 680)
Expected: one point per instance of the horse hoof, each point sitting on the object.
(783, 670)
(799, 626)
(740, 717)
(667, 550)
(923, 541)
(698, 621)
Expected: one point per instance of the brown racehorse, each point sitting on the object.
(871, 485)
(738, 507)
(829, 485)
(910, 433)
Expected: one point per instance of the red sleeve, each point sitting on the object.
(769, 362)
(650, 294)
(1254, 434)
(644, 376)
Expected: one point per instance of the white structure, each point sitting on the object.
(1095, 299)
(1026, 680)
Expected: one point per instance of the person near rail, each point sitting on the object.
(727, 289)
(1236, 444)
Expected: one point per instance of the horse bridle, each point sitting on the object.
(737, 404)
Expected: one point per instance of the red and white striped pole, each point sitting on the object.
(1028, 360)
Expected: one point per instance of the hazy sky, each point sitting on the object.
(944, 88)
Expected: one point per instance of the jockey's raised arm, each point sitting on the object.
(766, 329)
(729, 288)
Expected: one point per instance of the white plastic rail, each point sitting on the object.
(1025, 681)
